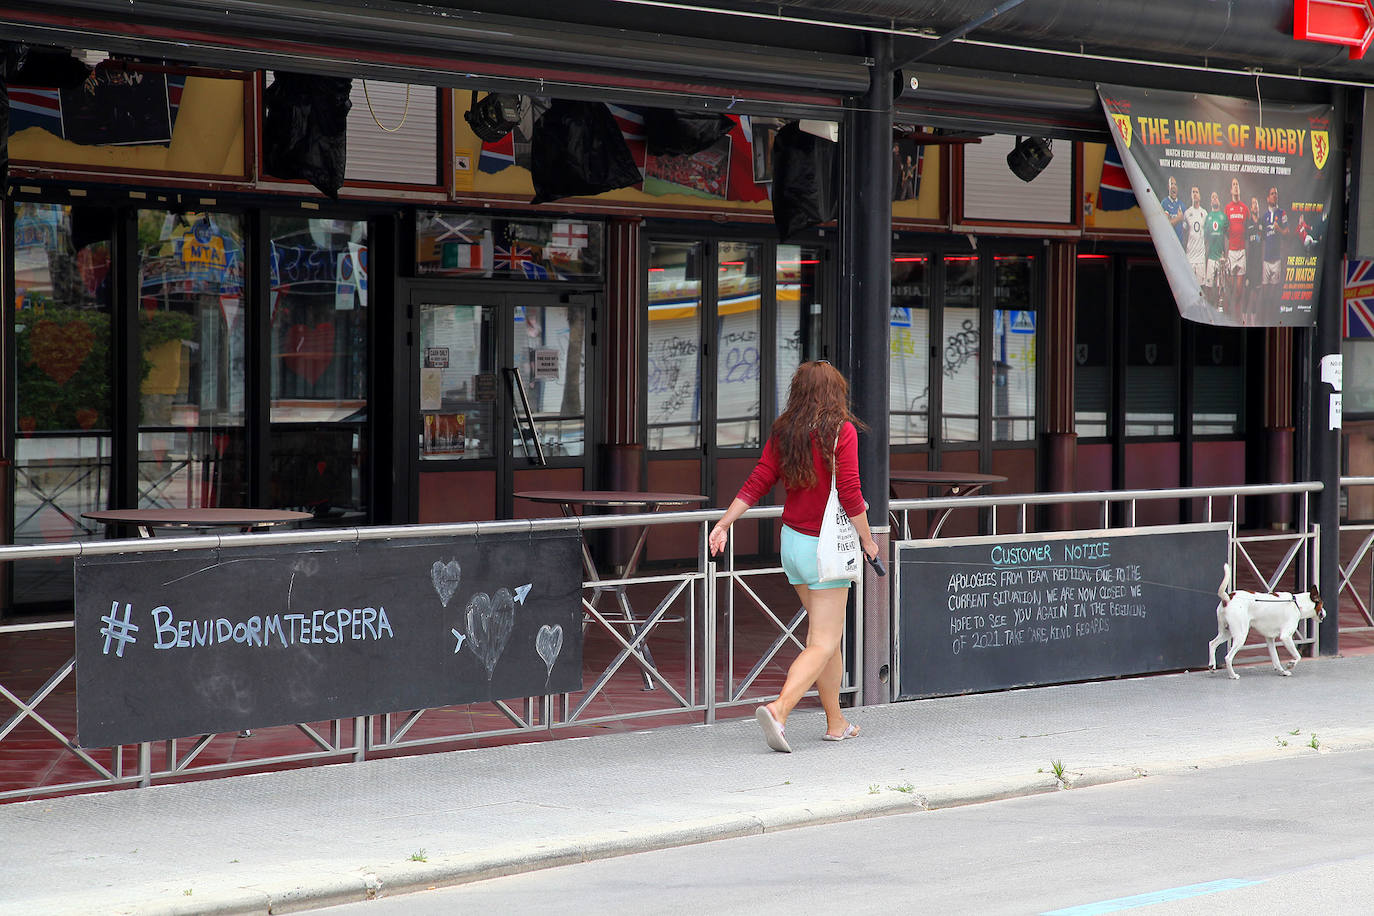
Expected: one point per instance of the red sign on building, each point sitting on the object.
(1337, 22)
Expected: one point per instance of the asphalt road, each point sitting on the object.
(1286, 834)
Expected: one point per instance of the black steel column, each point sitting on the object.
(1325, 441)
(863, 327)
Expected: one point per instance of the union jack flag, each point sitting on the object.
(35, 107)
(631, 124)
(1359, 299)
(497, 155)
(1114, 189)
(518, 258)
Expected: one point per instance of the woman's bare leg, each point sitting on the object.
(825, 612)
(828, 686)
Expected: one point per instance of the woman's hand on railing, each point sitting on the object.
(716, 540)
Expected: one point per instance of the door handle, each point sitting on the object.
(524, 419)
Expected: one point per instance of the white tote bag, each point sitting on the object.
(837, 550)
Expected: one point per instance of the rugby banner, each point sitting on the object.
(1235, 197)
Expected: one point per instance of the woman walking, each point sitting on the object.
(813, 438)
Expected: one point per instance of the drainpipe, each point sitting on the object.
(863, 324)
(1326, 441)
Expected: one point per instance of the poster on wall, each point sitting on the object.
(1235, 197)
(908, 161)
(703, 174)
(117, 107)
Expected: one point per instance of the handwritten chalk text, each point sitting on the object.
(319, 627)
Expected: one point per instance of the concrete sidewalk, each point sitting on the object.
(313, 837)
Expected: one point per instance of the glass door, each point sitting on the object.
(319, 370)
(500, 386)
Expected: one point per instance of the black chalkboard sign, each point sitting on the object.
(991, 613)
(172, 644)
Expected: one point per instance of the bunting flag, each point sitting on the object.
(1114, 189)
(631, 124)
(1359, 299)
(740, 184)
(497, 154)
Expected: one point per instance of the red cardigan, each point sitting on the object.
(805, 508)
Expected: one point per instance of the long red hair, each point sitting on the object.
(817, 405)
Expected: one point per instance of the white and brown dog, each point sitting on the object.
(1274, 615)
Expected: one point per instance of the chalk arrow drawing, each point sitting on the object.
(521, 591)
(548, 642)
(458, 636)
(490, 620)
(445, 577)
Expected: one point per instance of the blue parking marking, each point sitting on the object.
(1165, 896)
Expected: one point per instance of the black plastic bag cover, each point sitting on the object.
(304, 129)
(25, 66)
(577, 149)
(683, 133)
(47, 67)
(805, 183)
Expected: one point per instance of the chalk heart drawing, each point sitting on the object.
(490, 620)
(548, 642)
(445, 577)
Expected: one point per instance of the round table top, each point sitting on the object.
(197, 518)
(946, 478)
(612, 497)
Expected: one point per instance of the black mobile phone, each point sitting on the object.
(878, 565)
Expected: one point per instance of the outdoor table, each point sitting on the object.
(568, 500)
(147, 520)
(953, 483)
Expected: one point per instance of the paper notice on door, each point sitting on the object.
(546, 365)
(1335, 411)
(430, 388)
(1332, 366)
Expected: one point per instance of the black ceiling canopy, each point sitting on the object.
(442, 45)
(1233, 33)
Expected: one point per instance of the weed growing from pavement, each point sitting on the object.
(419, 856)
(1058, 767)
(1280, 741)
(904, 787)
(1295, 731)
(1314, 743)
(873, 788)
(187, 892)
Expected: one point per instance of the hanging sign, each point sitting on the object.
(1336, 22)
(1235, 197)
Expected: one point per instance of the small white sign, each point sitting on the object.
(1333, 369)
(431, 381)
(546, 365)
(1335, 411)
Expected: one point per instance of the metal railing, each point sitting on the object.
(723, 634)
(1220, 503)
(1357, 560)
(712, 654)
